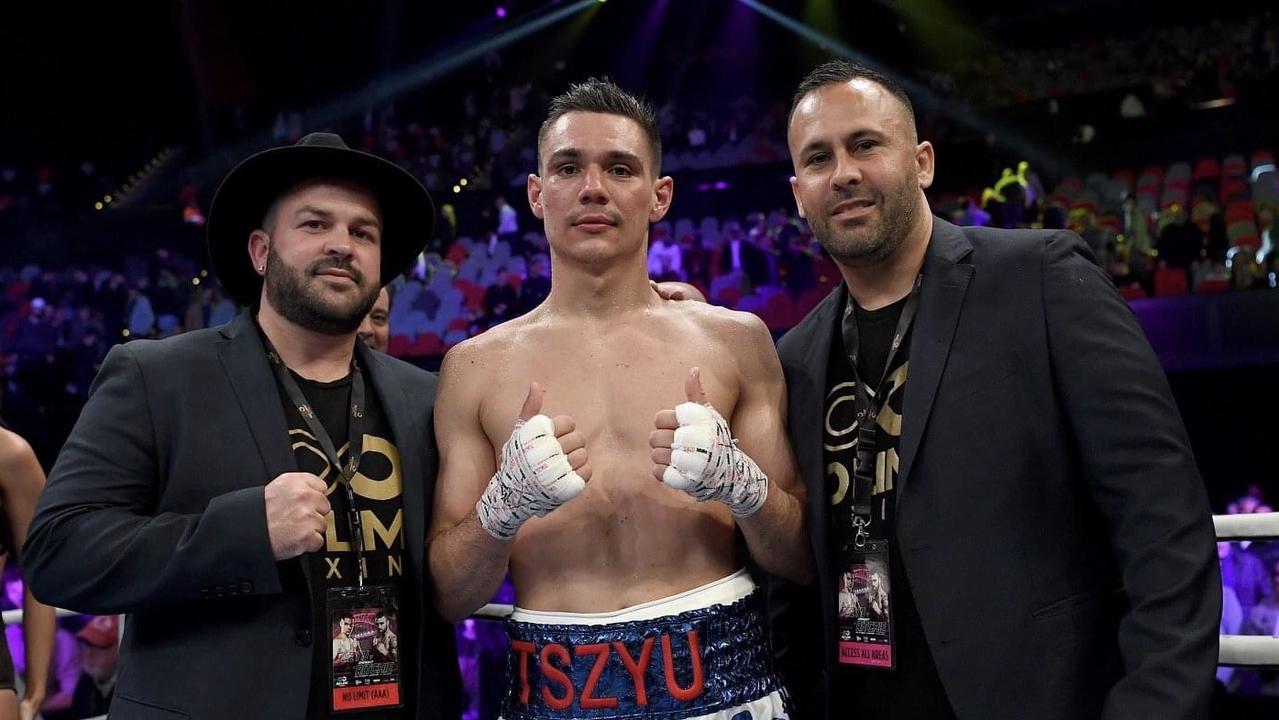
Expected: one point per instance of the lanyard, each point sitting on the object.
(868, 409)
(355, 447)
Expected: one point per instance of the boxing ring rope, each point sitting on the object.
(14, 617)
(1248, 650)
(493, 611)
(1236, 650)
(1253, 526)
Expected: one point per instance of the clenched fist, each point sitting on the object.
(295, 514)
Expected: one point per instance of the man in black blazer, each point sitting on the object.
(238, 490)
(1022, 483)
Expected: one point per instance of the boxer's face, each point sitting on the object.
(859, 170)
(323, 256)
(597, 192)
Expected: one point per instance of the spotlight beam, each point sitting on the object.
(957, 109)
(440, 65)
(380, 91)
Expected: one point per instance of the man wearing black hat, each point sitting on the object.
(239, 490)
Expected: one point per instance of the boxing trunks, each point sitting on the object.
(702, 654)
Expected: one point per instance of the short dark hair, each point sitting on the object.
(601, 95)
(841, 71)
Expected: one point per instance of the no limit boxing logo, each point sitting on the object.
(379, 484)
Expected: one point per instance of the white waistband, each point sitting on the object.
(724, 591)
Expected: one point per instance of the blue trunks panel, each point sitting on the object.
(678, 666)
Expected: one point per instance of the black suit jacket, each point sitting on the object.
(1051, 519)
(155, 508)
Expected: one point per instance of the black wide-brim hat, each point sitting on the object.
(241, 203)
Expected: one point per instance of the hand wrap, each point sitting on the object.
(533, 479)
(707, 464)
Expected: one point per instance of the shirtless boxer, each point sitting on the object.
(556, 432)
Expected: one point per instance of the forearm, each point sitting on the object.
(38, 627)
(775, 536)
(467, 565)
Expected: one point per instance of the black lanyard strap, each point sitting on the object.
(867, 408)
(355, 442)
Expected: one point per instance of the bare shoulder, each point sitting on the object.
(15, 453)
(733, 326)
(490, 349)
(474, 366)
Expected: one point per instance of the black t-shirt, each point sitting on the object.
(913, 689)
(378, 491)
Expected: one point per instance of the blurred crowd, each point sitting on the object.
(1250, 595)
(1172, 64)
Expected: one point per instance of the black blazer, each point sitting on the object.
(155, 508)
(1051, 519)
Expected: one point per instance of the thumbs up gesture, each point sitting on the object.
(544, 465)
(694, 451)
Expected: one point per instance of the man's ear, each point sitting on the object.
(794, 190)
(663, 194)
(259, 249)
(925, 163)
(534, 190)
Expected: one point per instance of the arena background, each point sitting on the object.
(1149, 128)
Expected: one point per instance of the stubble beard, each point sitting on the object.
(877, 240)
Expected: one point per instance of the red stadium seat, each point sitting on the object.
(1239, 211)
(1132, 291)
(457, 252)
(1207, 168)
(1250, 241)
(1170, 281)
(1212, 285)
(398, 346)
(728, 297)
(1234, 189)
(428, 344)
(472, 293)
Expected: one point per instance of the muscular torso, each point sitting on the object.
(628, 538)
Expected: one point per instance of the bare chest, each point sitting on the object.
(612, 385)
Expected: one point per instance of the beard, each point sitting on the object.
(295, 296)
(878, 237)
